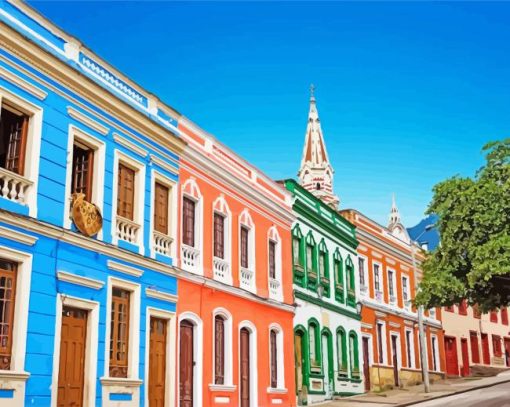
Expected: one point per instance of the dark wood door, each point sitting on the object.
(245, 367)
(485, 349)
(394, 349)
(452, 364)
(72, 357)
(157, 362)
(507, 351)
(186, 364)
(465, 357)
(366, 364)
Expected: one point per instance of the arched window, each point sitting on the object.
(311, 261)
(351, 281)
(339, 276)
(298, 255)
(274, 264)
(354, 354)
(191, 236)
(219, 350)
(341, 347)
(247, 252)
(276, 357)
(221, 240)
(324, 267)
(314, 346)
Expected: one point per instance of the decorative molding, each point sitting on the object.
(366, 326)
(409, 323)
(129, 145)
(79, 280)
(272, 390)
(405, 268)
(222, 387)
(75, 114)
(390, 261)
(161, 295)
(362, 248)
(276, 401)
(222, 400)
(313, 300)
(377, 255)
(14, 376)
(158, 161)
(17, 236)
(120, 381)
(23, 84)
(394, 324)
(380, 314)
(123, 268)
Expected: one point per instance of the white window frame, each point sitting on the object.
(76, 134)
(157, 176)
(221, 208)
(364, 289)
(245, 220)
(408, 280)
(228, 378)
(134, 328)
(384, 342)
(171, 319)
(139, 195)
(370, 338)
(393, 285)
(399, 349)
(380, 278)
(435, 354)
(253, 361)
(274, 236)
(91, 346)
(411, 364)
(33, 147)
(280, 365)
(191, 191)
(197, 355)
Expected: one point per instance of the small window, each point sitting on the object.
(380, 348)
(119, 333)
(272, 259)
(313, 333)
(274, 358)
(475, 351)
(188, 222)
(8, 274)
(244, 247)
(434, 354)
(496, 345)
(504, 316)
(390, 283)
(14, 134)
(361, 266)
(126, 192)
(494, 317)
(405, 289)
(409, 344)
(219, 236)
(219, 350)
(377, 282)
(341, 346)
(296, 255)
(161, 194)
(463, 307)
(82, 172)
(476, 311)
(353, 354)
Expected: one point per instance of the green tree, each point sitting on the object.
(473, 259)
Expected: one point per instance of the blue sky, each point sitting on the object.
(407, 92)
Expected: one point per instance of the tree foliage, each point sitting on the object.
(473, 258)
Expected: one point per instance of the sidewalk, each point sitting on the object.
(414, 394)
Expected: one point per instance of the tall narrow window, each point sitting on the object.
(13, 133)
(405, 289)
(313, 345)
(476, 311)
(434, 354)
(361, 266)
(309, 257)
(475, 350)
(83, 164)
(463, 307)
(272, 259)
(504, 316)
(341, 346)
(274, 359)
(188, 222)
(380, 342)
(219, 350)
(408, 346)
(296, 255)
(219, 236)
(119, 332)
(161, 193)
(244, 247)
(8, 271)
(322, 264)
(390, 283)
(494, 317)
(496, 345)
(377, 282)
(126, 192)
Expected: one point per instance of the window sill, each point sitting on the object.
(273, 390)
(223, 387)
(14, 375)
(120, 381)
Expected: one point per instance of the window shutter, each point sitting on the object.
(219, 236)
(272, 259)
(119, 333)
(126, 192)
(188, 222)
(244, 247)
(274, 360)
(161, 208)
(83, 164)
(219, 350)
(8, 274)
(14, 138)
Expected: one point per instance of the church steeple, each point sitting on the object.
(395, 225)
(394, 213)
(316, 173)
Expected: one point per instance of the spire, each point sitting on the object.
(316, 173)
(395, 225)
(394, 213)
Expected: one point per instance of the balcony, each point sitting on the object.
(221, 270)
(247, 280)
(162, 243)
(275, 289)
(363, 289)
(14, 187)
(127, 230)
(379, 296)
(407, 304)
(393, 300)
(190, 258)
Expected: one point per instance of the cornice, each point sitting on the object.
(161, 295)
(79, 280)
(23, 84)
(17, 236)
(326, 305)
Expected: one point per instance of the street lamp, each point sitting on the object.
(421, 330)
(359, 307)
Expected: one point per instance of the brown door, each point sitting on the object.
(394, 349)
(507, 351)
(366, 364)
(485, 349)
(157, 362)
(465, 357)
(452, 364)
(245, 368)
(72, 357)
(186, 364)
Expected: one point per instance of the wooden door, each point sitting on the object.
(299, 362)
(366, 364)
(465, 357)
(72, 357)
(507, 351)
(157, 362)
(327, 367)
(394, 349)
(485, 349)
(186, 364)
(452, 364)
(245, 367)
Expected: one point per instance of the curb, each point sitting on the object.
(484, 386)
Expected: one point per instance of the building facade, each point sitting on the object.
(235, 307)
(387, 280)
(88, 209)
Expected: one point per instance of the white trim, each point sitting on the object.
(98, 172)
(253, 361)
(171, 319)
(196, 196)
(384, 342)
(17, 236)
(161, 295)
(408, 290)
(23, 84)
(370, 338)
(411, 364)
(163, 164)
(124, 142)
(91, 346)
(220, 207)
(399, 349)
(435, 355)
(222, 388)
(197, 355)
(393, 285)
(245, 220)
(228, 381)
(87, 121)
(134, 328)
(79, 280)
(280, 363)
(274, 236)
(123, 268)
(381, 281)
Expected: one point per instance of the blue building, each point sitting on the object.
(88, 172)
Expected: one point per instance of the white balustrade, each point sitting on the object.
(379, 296)
(13, 186)
(162, 243)
(393, 300)
(363, 289)
(127, 230)
(190, 258)
(407, 304)
(247, 281)
(275, 289)
(221, 269)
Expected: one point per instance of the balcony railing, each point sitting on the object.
(221, 269)
(379, 296)
(407, 304)
(162, 243)
(363, 289)
(275, 290)
(393, 300)
(190, 258)
(127, 230)
(247, 281)
(13, 186)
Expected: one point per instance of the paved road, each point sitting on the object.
(495, 396)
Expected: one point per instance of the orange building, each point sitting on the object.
(235, 312)
(390, 336)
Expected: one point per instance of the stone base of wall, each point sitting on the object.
(382, 378)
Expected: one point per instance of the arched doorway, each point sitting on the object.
(300, 350)
(186, 363)
(327, 363)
